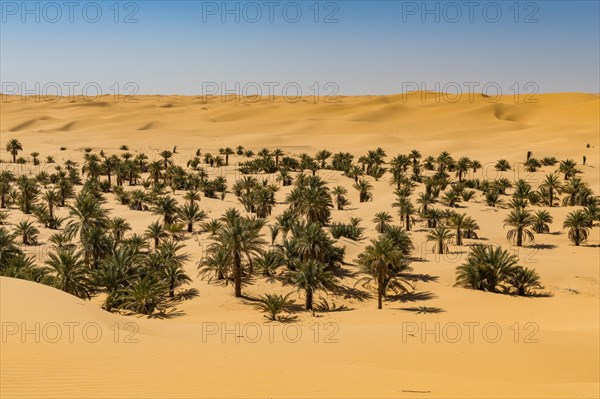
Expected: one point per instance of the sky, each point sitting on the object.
(299, 47)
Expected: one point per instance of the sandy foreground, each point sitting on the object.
(442, 341)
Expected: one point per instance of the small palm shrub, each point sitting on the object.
(274, 304)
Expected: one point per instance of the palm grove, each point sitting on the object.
(94, 253)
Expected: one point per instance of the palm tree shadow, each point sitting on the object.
(424, 309)
(542, 246)
(171, 314)
(425, 278)
(352, 293)
(414, 296)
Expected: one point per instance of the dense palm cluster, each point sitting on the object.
(293, 241)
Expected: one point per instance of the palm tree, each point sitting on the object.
(166, 155)
(217, 263)
(339, 194)
(364, 189)
(502, 165)
(6, 179)
(156, 231)
(118, 227)
(523, 280)
(569, 168)
(13, 146)
(191, 196)
(440, 235)
(486, 268)
(114, 275)
(69, 273)
(461, 222)
(273, 304)
(382, 222)
(167, 208)
(27, 231)
(190, 213)
(86, 212)
(385, 263)
(51, 198)
(239, 236)
(277, 153)
(8, 248)
(405, 210)
(552, 185)
(463, 165)
(541, 219)
(322, 157)
(521, 220)
(227, 152)
(146, 295)
(425, 200)
(579, 225)
(29, 191)
(310, 277)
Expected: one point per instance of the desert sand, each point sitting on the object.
(508, 346)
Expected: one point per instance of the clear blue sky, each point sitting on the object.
(362, 47)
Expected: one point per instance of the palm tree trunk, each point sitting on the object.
(2, 199)
(551, 198)
(237, 275)
(458, 237)
(519, 238)
(309, 299)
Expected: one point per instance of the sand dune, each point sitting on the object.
(548, 347)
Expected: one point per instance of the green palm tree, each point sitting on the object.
(579, 224)
(441, 236)
(8, 248)
(190, 213)
(502, 165)
(486, 268)
(52, 199)
(115, 275)
(147, 295)
(541, 220)
(70, 273)
(156, 231)
(29, 191)
(118, 227)
(522, 221)
(175, 276)
(523, 280)
(552, 185)
(382, 222)
(227, 152)
(166, 155)
(6, 180)
(384, 263)
(400, 239)
(28, 232)
(569, 168)
(239, 237)
(339, 194)
(364, 189)
(13, 146)
(85, 213)
(461, 222)
(310, 277)
(216, 264)
(405, 210)
(322, 157)
(167, 208)
(274, 304)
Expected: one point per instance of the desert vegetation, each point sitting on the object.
(289, 224)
